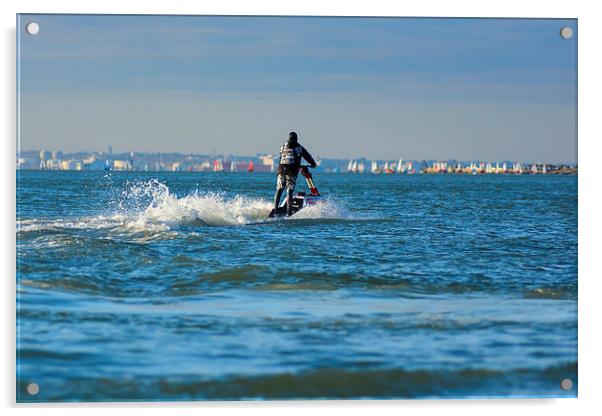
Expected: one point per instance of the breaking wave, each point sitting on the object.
(150, 206)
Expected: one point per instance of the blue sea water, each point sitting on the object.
(174, 286)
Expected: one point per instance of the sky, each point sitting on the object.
(381, 88)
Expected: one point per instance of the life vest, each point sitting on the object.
(290, 155)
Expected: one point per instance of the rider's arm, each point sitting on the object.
(308, 157)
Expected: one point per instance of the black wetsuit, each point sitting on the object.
(288, 170)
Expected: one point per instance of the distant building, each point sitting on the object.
(57, 155)
(67, 165)
(44, 157)
(52, 164)
(267, 160)
(122, 165)
(93, 163)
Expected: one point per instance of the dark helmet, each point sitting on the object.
(292, 138)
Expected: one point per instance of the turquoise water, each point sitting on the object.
(173, 286)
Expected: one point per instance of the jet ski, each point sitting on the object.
(300, 199)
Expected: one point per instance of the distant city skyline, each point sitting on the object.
(465, 89)
(187, 162)
(107, 154)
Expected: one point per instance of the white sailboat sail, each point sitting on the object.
(374, 167)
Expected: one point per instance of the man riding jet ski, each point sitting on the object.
(291, 154)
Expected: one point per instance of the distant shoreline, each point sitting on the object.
(176, 162)
(561, 172)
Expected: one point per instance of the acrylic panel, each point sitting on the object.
(274, 208)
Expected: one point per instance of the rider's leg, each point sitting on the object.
(289, 202)
(279, 190)
(291, 181)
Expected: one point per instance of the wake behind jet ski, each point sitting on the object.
(301, 199)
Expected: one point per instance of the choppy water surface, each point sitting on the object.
(173, 286)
